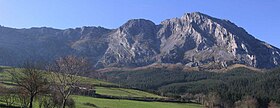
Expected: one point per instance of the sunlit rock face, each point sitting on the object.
(197, 39)
(133, 44)
(194, 40)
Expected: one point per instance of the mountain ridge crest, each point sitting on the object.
(193, 40)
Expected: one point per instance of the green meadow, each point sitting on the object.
(89, 102)
(108, 89)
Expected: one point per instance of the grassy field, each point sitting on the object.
(6, 78)
(96, 82)
(122, 92)
(88, 102)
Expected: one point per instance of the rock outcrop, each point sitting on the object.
(194, 40)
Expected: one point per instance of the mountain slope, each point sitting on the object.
(197, 39)
(194, 40)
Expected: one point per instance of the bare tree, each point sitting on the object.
(273, 104)
(247, 102)
(23, 97)
(213, 100)
(65, 76)
(7, 95)
(187, 97)
(30, 80)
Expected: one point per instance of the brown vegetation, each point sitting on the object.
(66, 70)
(30, 82)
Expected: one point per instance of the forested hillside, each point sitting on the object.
(231, 87)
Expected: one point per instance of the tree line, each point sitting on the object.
(235, 88)
(50, 84)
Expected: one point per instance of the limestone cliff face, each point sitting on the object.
(197, 39)
(193, 40)
(133, 44)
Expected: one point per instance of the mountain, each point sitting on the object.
(194, 40)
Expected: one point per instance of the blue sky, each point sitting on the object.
(260, 18)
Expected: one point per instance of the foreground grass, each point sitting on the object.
(122, 92)
(89, 102)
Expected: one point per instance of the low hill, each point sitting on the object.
(231, 83)
(112, 95)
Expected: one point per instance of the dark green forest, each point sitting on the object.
(231, 87)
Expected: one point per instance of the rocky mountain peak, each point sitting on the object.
(194, 16)
(202, 39)
(136, 26)
(193, 40)
(138, 22)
